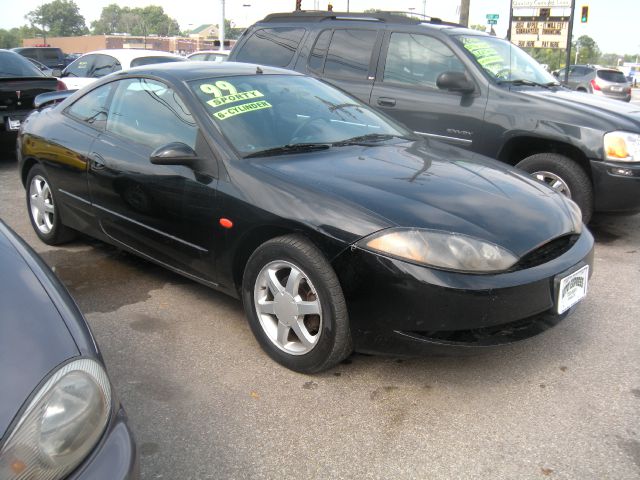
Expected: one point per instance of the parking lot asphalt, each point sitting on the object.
(205, 402)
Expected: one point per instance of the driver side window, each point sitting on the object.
(414, 59)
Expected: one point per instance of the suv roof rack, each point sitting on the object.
(381, 16)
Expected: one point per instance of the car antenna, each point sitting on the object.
(259, 71)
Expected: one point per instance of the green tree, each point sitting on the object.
(59, 18)
(10, 38)
(231, 32)
(151, 20)
(587, 50)
(552, 57)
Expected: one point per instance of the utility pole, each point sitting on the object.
(464, 12)
(569, 34)
(221, 33)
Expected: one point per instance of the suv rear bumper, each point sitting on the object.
(616, 186)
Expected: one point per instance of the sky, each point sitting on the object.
(613, 24)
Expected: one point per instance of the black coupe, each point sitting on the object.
(337, 227)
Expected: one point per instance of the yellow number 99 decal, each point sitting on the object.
(216, 90)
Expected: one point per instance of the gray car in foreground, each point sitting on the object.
(59, 415)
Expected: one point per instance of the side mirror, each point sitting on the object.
(556, 74)
(56, 72)
(455, 82)
(175, 153)
(49, 98)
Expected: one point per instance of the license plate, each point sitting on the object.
(13, 124)
(572, 289)
(616, 89)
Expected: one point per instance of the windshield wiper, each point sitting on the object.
(368, 138)
(289, 148)
(522, 81)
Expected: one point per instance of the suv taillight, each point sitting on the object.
(60, 85)
(595, 85)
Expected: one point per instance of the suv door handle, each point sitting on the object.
(386, 102)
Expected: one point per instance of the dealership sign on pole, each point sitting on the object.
(531, 32)
(541, 4)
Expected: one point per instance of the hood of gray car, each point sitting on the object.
(34, 339)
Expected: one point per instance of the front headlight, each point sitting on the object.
(622, 146)
(450, 251)
(60, 426)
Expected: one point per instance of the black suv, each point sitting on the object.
(52, 57)
(462, 86)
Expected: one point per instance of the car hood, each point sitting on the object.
(435, 186)
(616, 113)
(34, 339)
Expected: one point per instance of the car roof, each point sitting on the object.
(185, 71)
(129, 54)
(221, 52)
(385, 17)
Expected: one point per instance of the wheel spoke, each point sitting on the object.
(38, 184)
(46, 191)
(266, 307)
(48, 208)
(293, 282)
(283, 334)
(309, 308)
(557, 185)
(303, 334)
(39, 217)
(274, 284)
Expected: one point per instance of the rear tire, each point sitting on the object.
(295, 305)
(43, 208)
(563, 175)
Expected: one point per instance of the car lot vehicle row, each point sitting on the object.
(598, 81)
(467, 88)
(337, 227)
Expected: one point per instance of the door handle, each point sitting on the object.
(97, 161)
(386, 102)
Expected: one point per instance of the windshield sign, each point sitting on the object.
(503, 61)
(260, 113)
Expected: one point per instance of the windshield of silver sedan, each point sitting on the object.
(505, 62)
(264, 115)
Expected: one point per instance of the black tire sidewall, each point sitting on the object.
(319, 357)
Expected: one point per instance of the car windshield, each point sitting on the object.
(503, 61)
(13, 65)
(261, 113)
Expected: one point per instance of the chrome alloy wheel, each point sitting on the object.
(41, 204)
(553, 181)
(288, 307)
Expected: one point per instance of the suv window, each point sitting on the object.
(350, 53)
(611, 76)
(50, 54)
(271, 46)
(316, 59)
(415, 59)
(104, 65)
(141, 110)
(92, 108)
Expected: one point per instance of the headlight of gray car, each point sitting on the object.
(61, 425)
(622, 146)
(446, 250)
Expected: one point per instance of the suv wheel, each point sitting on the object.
(295, 305)
(563, 175)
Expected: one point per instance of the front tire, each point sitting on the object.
(563, 175)
(43, 209)
(295, 305)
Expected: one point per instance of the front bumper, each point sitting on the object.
(403, 309)
(115, 457)
(616, 186)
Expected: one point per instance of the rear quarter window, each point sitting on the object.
(271, 46)
(611, 76)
